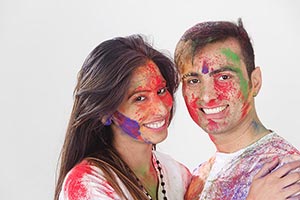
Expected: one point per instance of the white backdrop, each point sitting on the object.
(44, 43)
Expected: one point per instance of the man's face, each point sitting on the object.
(216, 87)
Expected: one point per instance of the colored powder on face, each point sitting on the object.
(224, 93)
(168, 101)
(212, 125)
(212, 103)
(204, 68)
(230, 55)
(193, 108)
(243, 83)
(129, 126)
(245, 109)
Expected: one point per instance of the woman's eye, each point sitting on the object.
(140, 98)
(162, 91)
(193, 81)
(224, 77)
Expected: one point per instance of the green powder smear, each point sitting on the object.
(230, 55)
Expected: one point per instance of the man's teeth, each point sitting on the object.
(156, 124)
(213, 110)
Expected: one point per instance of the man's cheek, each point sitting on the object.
(192, 107)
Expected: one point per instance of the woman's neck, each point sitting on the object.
(138, 157)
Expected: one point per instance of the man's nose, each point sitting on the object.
(207, 92)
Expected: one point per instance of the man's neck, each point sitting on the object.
(245, 134)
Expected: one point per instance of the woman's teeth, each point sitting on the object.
(156, 124)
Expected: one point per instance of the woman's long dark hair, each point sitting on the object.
(102, 83)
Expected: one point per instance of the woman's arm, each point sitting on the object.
(280, 184)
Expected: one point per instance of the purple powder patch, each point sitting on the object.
(129, 126)
(204, 68)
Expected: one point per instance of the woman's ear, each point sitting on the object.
(106, 120)
(256, 81)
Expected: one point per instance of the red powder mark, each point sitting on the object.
(225, 90)
(157, 100)
(154, 78)
(154, 83)
(108, 191)
(246, 105)
(168, 100)
(151, 66)
(193, 107)
(212, 103)
(74, 187)
(212, 138)
(245, 109)
(212, 125)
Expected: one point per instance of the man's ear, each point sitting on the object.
(256, 81)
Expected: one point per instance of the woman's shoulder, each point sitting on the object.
(176, 175)
(170, 163)
(86, 182)
(165, 158)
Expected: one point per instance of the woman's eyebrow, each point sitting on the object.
(138, 90)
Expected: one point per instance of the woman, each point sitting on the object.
(123, 106)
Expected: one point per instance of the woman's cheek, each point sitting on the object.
(168, 100)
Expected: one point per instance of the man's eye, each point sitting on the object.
(140, 98)
(193, 81)
(162, 91)
(224, 77)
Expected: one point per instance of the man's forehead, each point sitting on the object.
(213, 55)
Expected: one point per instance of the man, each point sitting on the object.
(219, 84)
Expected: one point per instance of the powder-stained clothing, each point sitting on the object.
(87, 182)
(229, 176)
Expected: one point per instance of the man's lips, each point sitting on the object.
(214, 110)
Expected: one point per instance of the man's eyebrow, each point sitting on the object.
(222, 70)
(190, 74)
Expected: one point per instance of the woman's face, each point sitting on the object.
(144, 113)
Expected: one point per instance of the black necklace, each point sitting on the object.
(161, 177)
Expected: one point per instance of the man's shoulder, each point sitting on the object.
(275, 144)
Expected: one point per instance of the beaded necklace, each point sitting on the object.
(161, 177)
